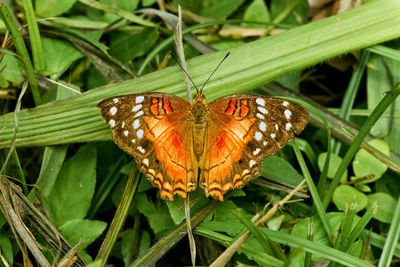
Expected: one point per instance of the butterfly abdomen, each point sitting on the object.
(199, 117)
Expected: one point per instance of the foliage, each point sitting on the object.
(73, 54)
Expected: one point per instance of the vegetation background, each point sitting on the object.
(69, 196)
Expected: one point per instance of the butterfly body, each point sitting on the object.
(222, 142)
(199, 116)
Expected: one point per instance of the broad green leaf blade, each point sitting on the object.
(386, 205)
(278, 169)
(256, 11)
(72, 193)
(366, 164)
(52, 8)
(249, 66)
(80, 229)
(345, 195)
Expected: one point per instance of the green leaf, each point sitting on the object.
(379, 80)
(333, 165)
(12, 71)
(127, 5)
(356, 249)
(386, 206)
(346, 195)
(365, 164)
(210, 8)
(158, 216)
(121, 44)
(257, 11)
(6, 249)
(297, 17)
(147, 3)
(59, 55)
(53, 8)
(80, 229)
(278, 169)
(73, 191)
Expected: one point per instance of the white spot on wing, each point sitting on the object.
(263, 126)
(276, 127)
(260, 101)
(288, 126)
(115, 100)
(112, 123)
(262, 110)
(136, 108)
(285, 103)
(287, 113)
(265, 143)
(140, 133)
(126, 133)
(255, 152)
(146, 161)
(141, 149)
(252, 163)
(258, 136)
(136, 124)
(133, 141)
(113, 110)
(140, 113)
(123, 124)
(273, 135)
(260, 116)
(139, 99)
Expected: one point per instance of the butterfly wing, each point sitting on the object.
(242, 131)
(154, 128)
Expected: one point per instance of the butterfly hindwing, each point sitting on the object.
(149, 126)
(242, 131)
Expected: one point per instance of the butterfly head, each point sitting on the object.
(199, 96)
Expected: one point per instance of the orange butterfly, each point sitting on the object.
(227, 139)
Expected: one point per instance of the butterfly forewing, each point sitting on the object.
(242, 131)
(149, 126)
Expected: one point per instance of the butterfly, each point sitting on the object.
(223, 142)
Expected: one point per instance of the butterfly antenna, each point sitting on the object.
(215, 70)
(176, 60)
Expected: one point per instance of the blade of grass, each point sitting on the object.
(21, 172)
(78, 120)
(264, 242)
(34, 36)
(360, 226)
(120, 215)
(391, 239)
(314, 193)
(379, 241)
(375, 115)
(345, 228)
(385, 51)
(19, 44)
(350, 95)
